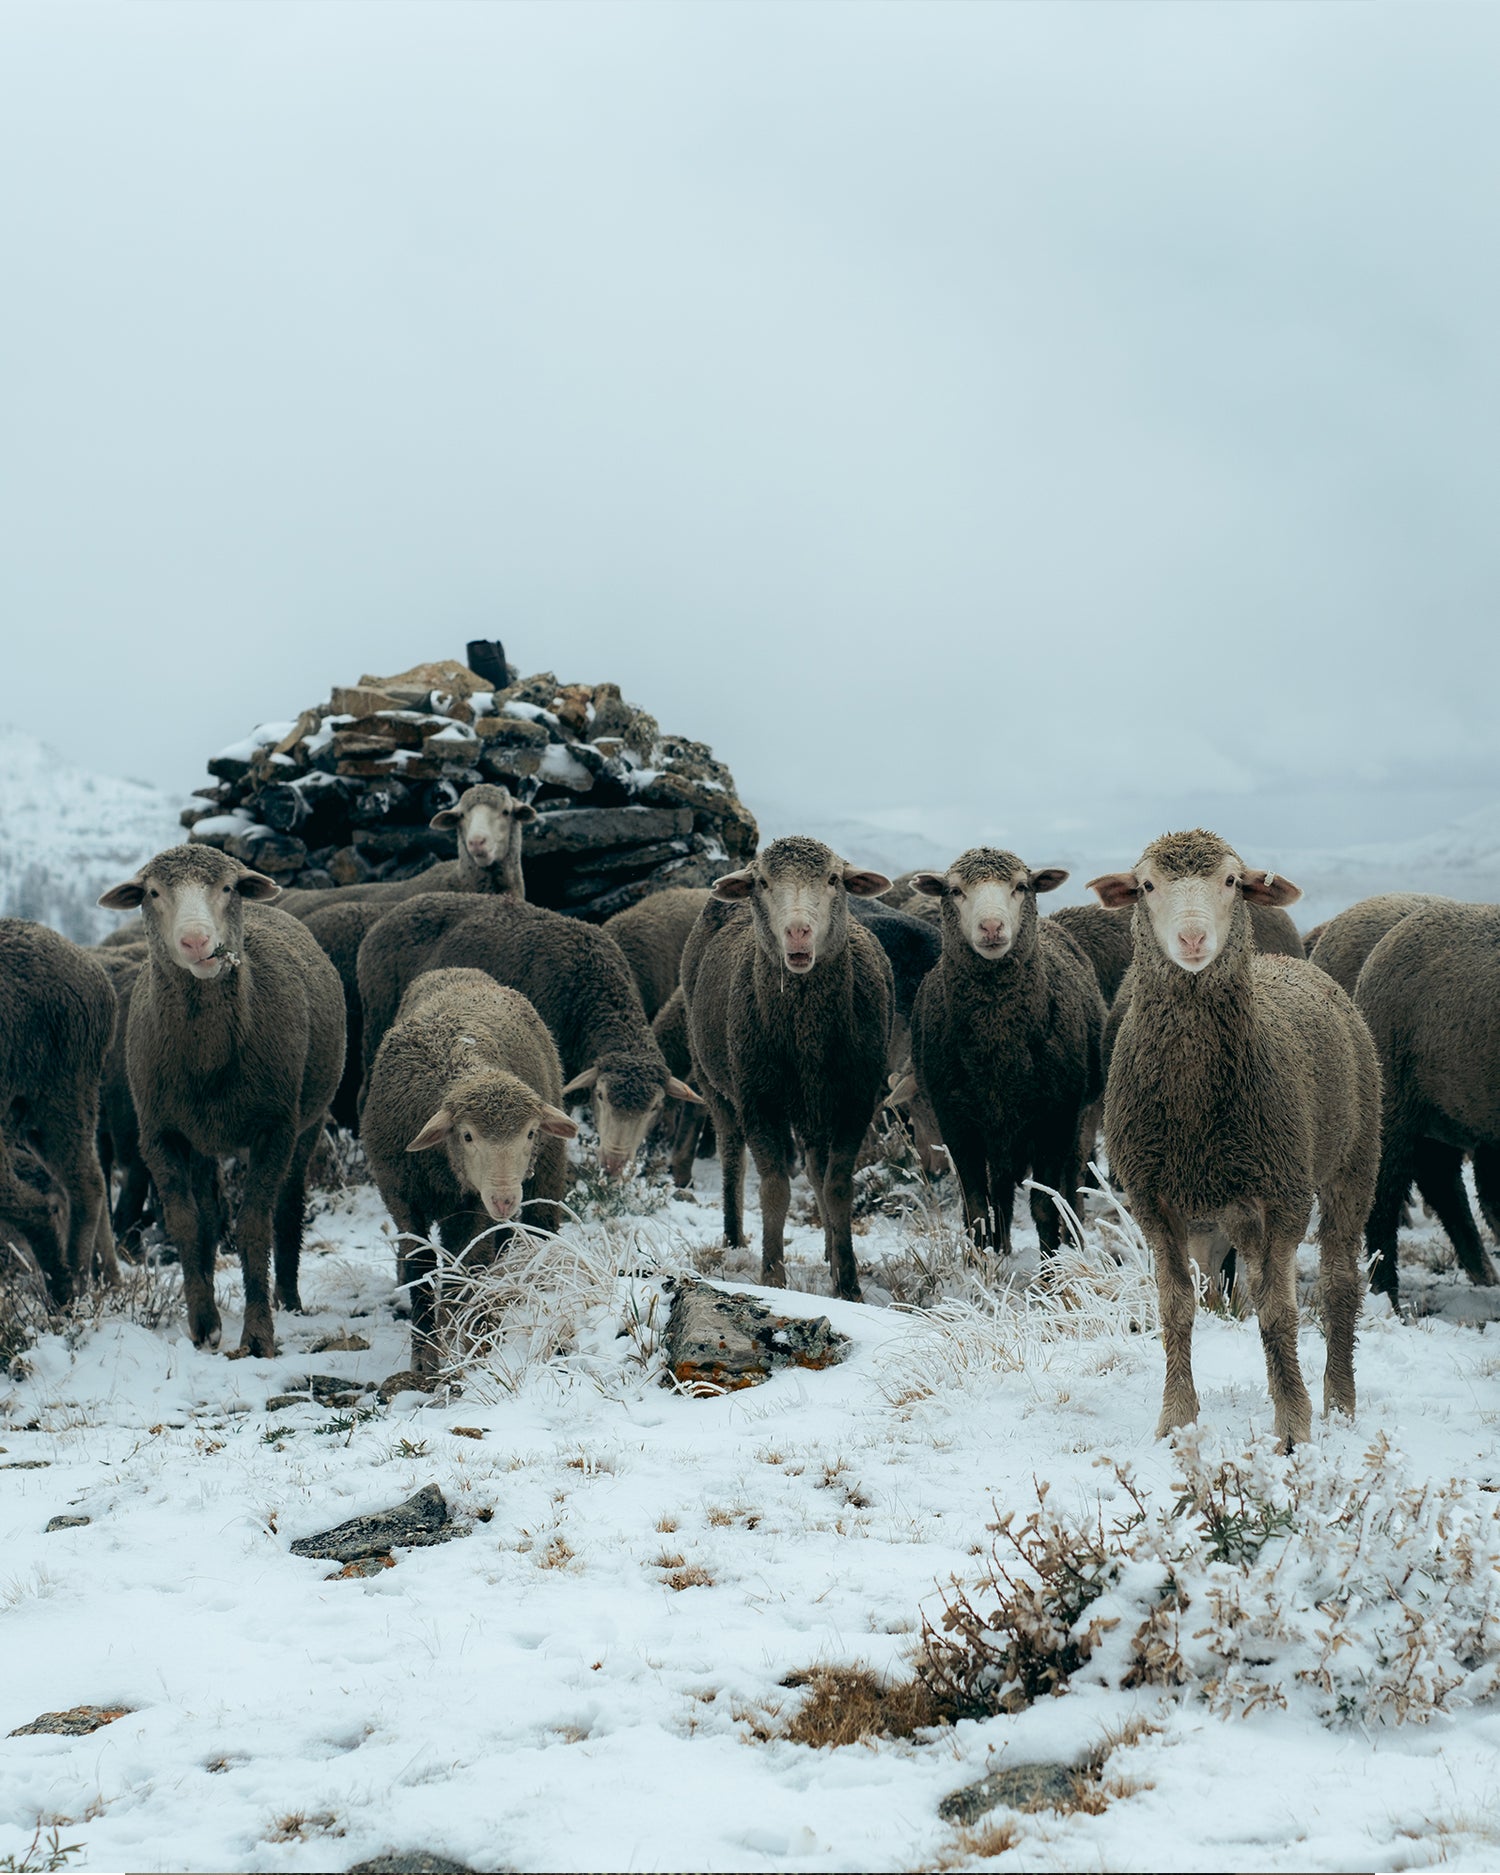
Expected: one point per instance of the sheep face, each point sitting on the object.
(489, 822)
(1192, 886)
(627, 1100)
(192, 899)
(798, 891)
(490, 1127)
(989, 900)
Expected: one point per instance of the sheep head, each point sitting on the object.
(488, 821)
(989, 900)
(798, 890)
(192, 899)
(491, 1126)
(628, 1093)
(1190, 888)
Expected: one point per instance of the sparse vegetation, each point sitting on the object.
(42, 1854)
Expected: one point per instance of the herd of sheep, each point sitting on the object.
(1241, 1071)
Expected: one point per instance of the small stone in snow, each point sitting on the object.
(75, 1722)
(1017, 1786)
(339, 1344)
(413, 1862)
(422, 1519)
(67, 1523)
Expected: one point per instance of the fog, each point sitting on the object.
(1047, 423)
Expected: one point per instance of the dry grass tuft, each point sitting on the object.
(693, 1576)
(297, 1826)
(852, 1706)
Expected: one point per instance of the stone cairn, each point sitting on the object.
(344, 793)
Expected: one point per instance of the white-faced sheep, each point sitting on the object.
(462, 1126)
(575, 975)
(1430, 991)
(57, 1015)
(1240, 1087)
(235, 1042)
(1005, 1040)
(789, 1006)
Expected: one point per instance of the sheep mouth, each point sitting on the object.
(206, 970)
(992, 950)
(800, 961)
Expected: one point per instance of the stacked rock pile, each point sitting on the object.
(345, 793)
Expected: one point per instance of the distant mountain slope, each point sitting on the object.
(66, 835)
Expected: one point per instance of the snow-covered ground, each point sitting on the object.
(67, 834)
(594, 1677)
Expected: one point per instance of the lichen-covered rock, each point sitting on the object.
(1018, 1787)
(76, 1722)
(719, 1340)
(420, 1520)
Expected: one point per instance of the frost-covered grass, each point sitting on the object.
(1293, 1664)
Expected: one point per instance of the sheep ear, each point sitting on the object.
(865, 884)
(733, 885)
(932, 884)
(902, 1088)
(1115, 889)
(1261, 887)
(445, 819)
(127, 897)
(522, 812)
(679, 1090)
(255, 885)
(434, 1133)
(556, 1122)
(1047, 878)
(581, 1083)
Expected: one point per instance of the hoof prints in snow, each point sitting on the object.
(723, 1341)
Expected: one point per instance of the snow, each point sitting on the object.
(562, 769)
(259, 738)
(537, 1695)
(532, 713)
(67, 835)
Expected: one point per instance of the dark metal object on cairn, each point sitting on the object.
(345, 793)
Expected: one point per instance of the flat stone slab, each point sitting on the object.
(76, 1722)
(1017, 1786)
(26, 1464)
(729, 1341)
(422, 1519)
(342, 1344)
(66, 1523)
(589, 829)
(411, 1862)
(406, 1380)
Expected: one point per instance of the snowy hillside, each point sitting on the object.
(66, 835)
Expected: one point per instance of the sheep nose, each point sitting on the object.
(1192, 938)
(800, 935)
(480, 848)
(992, 930)
(196, 944)
(614, 1163)
(500, 1204)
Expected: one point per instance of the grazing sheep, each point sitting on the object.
(1005, 1040)
(574, 973)
(57, 1015)
(789, 1005)
(652, 934)
(1240, 1087)
(487, 823)
(1430, 991)
(340, 929)
(1347, 940)
(467, 1066)
(119, 1130)
(235, 1041)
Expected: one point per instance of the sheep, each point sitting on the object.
(1347, 940)
(652, 933)
(1240, 1086)
(467, 1066)
(487, 822)
(235, 1041)
(574, 973)
(789, 1005)
(119, 1130)
(669, 1026)
(1430, 991)
(57, 1017)
(1104, 938)
(1005, 1040)
(340, 929)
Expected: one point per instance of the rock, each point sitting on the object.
(413, 1862)
(26, 1464)
(363, 1566)
(1017, 1786)
(406, 1380)
(336, 1389)
(422, 1519)
(278, 1402)
(66, 1523)
(569, 830)
(76, 1722)
(341, 1343)
(729, 1341)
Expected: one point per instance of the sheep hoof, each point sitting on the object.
(258, 1343)
(1173, 1417)
(289, 1303)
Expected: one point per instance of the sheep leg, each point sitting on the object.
(967, 1155)
(270, 1160)
(1177, 1297)
(1439, 1174)
(1343, 1292)
(685, 1137)
(1275, 1288)
(1391, 1185)
(71, 1155)
(837, 1204)
(187, 1184)
(1487, 1185)
(130, 1206)
(732, 1160)
(28, 1211)
(290, 1218)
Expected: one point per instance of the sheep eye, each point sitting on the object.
(1229, 880)
(1148, 887)
(155, 893)
(468, 1139)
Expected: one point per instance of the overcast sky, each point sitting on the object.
(1009, 420)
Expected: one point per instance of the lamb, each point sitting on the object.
(487, 823)
(1240, 1086)
(1347, 940)
(789, 1005)
(57, 1016)
(467, 1066)
(340, 929)
(1430, 991)
(1005, 1040)
(574, 973)
(652, 934)
(235, 1041)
